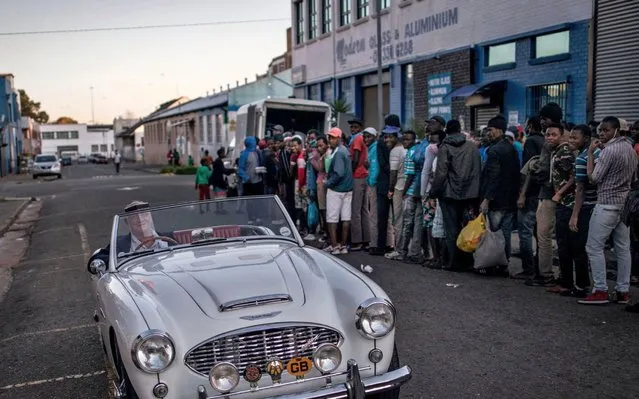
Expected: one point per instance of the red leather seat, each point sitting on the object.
(184, 236)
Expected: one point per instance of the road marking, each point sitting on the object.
(49, 380)
(55, 330)
(37, 233)
(85, 241)
(127, 188)
(45, 260)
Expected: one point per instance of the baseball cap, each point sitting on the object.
(371, 130)
(136, 206)
(335, 132)
(439, 119)
(391, 129)
(510, 134)
(278, 127)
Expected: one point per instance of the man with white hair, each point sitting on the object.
(142, 231)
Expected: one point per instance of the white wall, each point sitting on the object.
(477, 21)
(84, 141)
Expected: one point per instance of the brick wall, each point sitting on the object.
(525, 75)
(459, 64)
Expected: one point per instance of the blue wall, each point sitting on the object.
(524, 74)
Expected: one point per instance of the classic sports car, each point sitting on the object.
(222, 299)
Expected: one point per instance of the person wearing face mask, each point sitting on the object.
(549, 114)
(613, 173)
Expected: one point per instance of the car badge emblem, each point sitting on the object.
(274, 368)
(260, 316)
(252, 374)
(299, 367)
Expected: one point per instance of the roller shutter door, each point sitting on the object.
(617, 60)
(484, 114)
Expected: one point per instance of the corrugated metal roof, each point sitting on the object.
(192, 106)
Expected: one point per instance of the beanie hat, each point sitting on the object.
(453, 126)
(498, 122)
(551, 111)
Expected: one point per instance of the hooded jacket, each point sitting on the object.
(249, 160)
(458, 169)
(500, 177)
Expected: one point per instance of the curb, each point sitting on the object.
(25, 202)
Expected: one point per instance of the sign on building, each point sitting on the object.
(439, 86)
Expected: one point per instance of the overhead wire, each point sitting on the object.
(142, 27)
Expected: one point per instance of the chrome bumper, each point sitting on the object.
(354, 388)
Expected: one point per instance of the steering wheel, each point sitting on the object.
(150, 240)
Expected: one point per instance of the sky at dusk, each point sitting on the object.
(136, 70)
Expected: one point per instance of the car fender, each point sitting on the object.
(122, 321)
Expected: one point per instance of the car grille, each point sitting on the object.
(257, 346)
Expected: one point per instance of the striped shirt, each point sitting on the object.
(581, 176)
(614, 172)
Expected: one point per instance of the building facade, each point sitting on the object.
(78, 139)
(31, 143)
(10, 126)
(461, 59)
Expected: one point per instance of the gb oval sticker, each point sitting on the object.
(299, 366)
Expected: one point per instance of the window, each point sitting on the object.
(362, 8)
(501, 54)
(312, 19)
(344, 12)
(299, 26)
(209, 129)
(218, 128)
(202, 129)
(552, 44)
(94, 148)
(327, 20)
(346, 90)
(327, 91)
(384, 4)
(538, 96)
(48, 135)
(300, 92)
(142, 141)
(74, 134)
(409, 96)
(104, 148)
(112, 147)
(314, 93)
(62, 135)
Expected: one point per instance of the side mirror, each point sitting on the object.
(97, 266)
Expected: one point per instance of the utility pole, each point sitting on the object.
(380, 89)
(92, 108)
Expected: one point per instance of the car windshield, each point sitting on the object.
(45, 158)
(158, 229)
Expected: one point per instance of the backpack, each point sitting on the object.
(420, 152)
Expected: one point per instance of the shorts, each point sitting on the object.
(338, 206)
(219, 192)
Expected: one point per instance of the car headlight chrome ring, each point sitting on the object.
(327, 358)
(153, 351)
(224, 377)
(375, 318)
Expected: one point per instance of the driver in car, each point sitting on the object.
(142, 231)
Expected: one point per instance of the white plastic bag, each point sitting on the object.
(438, 223)
(491, 251)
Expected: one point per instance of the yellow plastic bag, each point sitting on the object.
(470, 236)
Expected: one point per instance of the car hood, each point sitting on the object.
(222, 282)
(45, 164)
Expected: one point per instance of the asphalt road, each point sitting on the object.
(481, 337)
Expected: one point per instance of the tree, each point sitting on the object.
(65, 120)
(339, 106)
(128, 114)
(31, 108)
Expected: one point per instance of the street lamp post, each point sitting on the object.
(380, 89)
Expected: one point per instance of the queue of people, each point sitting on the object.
(408, 198)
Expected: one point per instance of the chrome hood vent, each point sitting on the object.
(254, 301)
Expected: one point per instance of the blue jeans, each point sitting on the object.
(527, 220)
(605, 222)
(504, 220)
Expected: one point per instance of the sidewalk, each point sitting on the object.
(144, 167)
(9, 211)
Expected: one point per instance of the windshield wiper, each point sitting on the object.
(143, 252)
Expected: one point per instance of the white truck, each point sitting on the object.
(293, 114)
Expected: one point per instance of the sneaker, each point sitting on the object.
(596, 298)
(397, 256)
(357, 247)
(575, 293)
(337, 251)
(622, 298)
(344, 250)
(328, 248)
(309, 237)
(541, 282)
(558, 289)
(391, 255)
(322, 239)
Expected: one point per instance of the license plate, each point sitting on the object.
(299, 366)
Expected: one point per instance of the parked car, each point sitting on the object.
(83, 159)
(222, 298)
(101, 159)
(46, 165)
(66, 161)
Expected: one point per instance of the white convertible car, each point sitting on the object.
(222, 299)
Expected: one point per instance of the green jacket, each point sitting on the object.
(203, 174)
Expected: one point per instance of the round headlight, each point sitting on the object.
(224, 377)
(153, 351)
(327, 358)
(375, 318)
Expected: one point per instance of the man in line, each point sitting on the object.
(360, 234)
